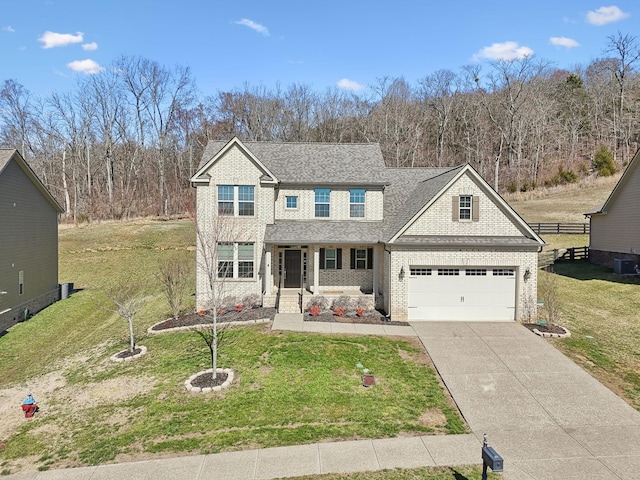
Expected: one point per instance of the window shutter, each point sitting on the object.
(455, 210)
(339, 258)
(353, 258)
(369, 258)
(475, 205)
(322, 259)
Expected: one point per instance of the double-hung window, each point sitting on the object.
(225, 260)
(245, 260)
(323, 200)
(225, 199)
(356, 203)
(330, 259)
(245, 200)
(465, 207)
(236, 200)
(235, 260)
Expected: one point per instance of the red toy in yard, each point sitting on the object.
(29, 406)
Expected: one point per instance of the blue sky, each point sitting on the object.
(47, 44)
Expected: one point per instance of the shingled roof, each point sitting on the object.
(407, 190)
(326, 163)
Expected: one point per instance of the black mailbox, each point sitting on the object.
(491, 459)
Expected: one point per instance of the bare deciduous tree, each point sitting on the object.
(127, 298)
(172, 273)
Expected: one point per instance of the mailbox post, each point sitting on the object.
(490, 458)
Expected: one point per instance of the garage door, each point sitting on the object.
(469, 293)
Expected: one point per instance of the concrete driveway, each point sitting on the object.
(547, 417)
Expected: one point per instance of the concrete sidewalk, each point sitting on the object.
(294, 322)
(299, 460)
(546, 417)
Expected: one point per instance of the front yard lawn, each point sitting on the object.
(290, 388)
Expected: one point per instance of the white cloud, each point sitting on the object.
(87, 66)
(503, 51)
(350, 85)
(604, 15)
(52, 39)
(563, 42)
(90, 46)
(253, 26)
(9, 29)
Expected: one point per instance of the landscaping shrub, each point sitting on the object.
(319, 301)
(252, 301)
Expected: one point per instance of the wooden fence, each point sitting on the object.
(562, 255)
(558, 228)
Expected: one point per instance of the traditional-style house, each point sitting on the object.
(294, 220)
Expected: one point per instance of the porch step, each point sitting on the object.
(289, 304)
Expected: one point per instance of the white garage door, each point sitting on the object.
(469, 293)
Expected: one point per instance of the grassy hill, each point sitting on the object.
(565, 203)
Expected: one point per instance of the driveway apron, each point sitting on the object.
(546, 417)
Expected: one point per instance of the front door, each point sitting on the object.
(292, 270)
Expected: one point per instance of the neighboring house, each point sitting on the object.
(332, 220)
(28, 241)
(615, 230)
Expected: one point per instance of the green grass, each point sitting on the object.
(601, 311)
(290, 388)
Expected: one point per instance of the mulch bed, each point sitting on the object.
(205, 380)
(545, 328)
(375, 318)
(128, 353)
(192, 319)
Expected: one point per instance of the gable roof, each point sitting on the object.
(429, 190)
(8, 154)
(308, 163)
(624, 179)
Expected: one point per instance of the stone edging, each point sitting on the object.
(226, 384)
(566, 333)
(203, 325)
(116, 358)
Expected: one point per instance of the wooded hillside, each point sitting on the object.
(125, 141)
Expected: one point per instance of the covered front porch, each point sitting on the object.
(296, 273)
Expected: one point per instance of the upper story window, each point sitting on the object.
(291, 202)
(225, 199)
(245, 200)
(465, 207)
(323, 199)
(356, 203)
(236, 200)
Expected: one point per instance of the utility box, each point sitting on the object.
(623, 266)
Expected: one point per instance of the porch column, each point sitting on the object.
(268, 274)
(375, 272)
(316, 269)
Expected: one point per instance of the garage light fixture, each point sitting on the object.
(401, 274)
(527, 274)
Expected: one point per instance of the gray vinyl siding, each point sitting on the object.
(28, 239)
(619, 229)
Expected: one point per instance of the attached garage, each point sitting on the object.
(462, 293)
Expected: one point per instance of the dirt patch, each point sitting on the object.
(433, 418)
(113, 390)
(42, 388)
